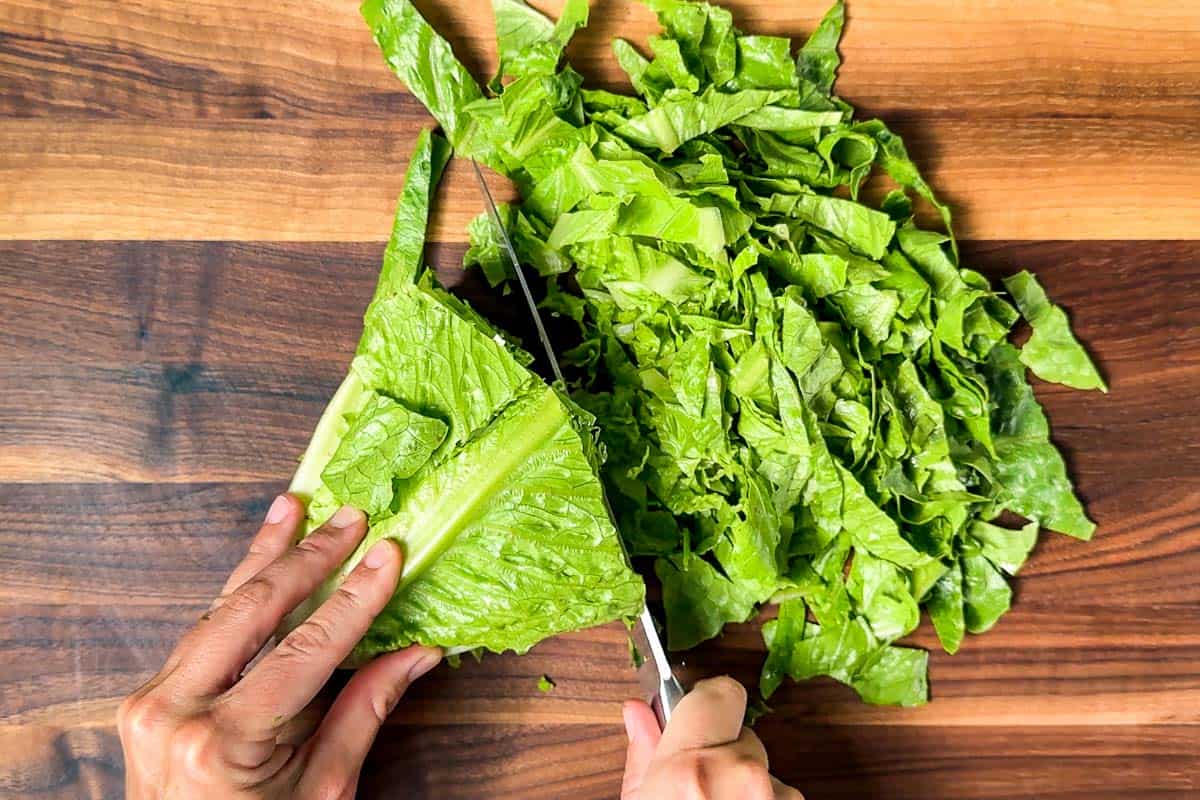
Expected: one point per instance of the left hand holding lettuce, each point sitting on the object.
(206, 726)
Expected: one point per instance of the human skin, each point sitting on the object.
(219, 721)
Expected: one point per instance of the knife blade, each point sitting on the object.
(655, 676)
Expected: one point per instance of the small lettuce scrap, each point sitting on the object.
(483, 474)
(805, 400)
(1052, 352)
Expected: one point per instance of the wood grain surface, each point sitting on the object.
(193, 198)
(250, 119)
(1057, 177)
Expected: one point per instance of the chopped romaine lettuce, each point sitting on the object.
(802, 398)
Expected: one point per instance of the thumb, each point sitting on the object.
(641, 726)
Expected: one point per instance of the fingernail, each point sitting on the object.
(380, 553)
(278, 510)
(345, 517)
(424, 664)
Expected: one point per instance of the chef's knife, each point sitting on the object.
(658, 682)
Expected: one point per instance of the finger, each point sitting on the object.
(641, 728)
(272, 540)
(732, 770)
(341, 743)
(290, 676)
(750, 747)
(783, 791)
(213, 654)
(300, 728)
(735, 770)
(709, 715)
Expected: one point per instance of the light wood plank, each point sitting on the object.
(254, 58)
(1045, 178)
(544, 762)
(583, 762)
(269, 180)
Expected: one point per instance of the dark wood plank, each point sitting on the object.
(99, 580)
(124, 541)
(187, 301)
(212, 303)
(255, 58)
(996, 763)
(158, 421)
(124, 544)
(193, 361)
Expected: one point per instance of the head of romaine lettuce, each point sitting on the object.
(484, 474)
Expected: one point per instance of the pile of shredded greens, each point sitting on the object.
(804, 400)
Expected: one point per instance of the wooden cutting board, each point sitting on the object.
(193, 200)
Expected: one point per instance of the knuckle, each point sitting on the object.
(332, 786)
(140, 716)
(254, 594)
(312, 547)
(311, 638)
(321, 548)
(384, 702)
(688, 773)
(349, 597)
(193, 747)
(753, 777)
(260, 550)
(327, 535)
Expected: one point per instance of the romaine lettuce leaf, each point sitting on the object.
(1029, 473)
(425, 62)
(683, 117)
(528, 42)
(384, 438)
(485, 475)
(896, 676)
(945, 606)
(818, 61)
(405, 250)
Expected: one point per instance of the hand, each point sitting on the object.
(704, 754)
(202, 728)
